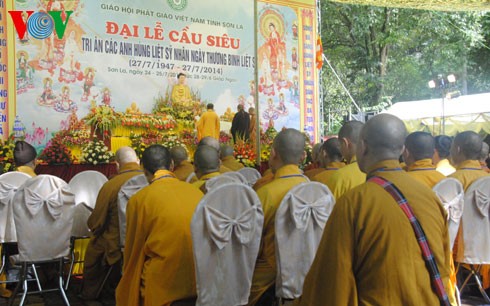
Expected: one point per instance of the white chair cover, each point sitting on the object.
(226, 230)
(127, 190)
(190, 177)
(476, 223)
(43, 218)
(299, 224)
(86, 186)
(223, 179)
(451, 193)
(251, 175)
(9, 184)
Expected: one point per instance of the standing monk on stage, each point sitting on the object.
(208, 124)
(158, 260)
(103, 250)
(369, 253)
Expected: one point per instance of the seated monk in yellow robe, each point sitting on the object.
(25, 158)
(331, 156)
(228, 160)
(182, 167)
(419, 149)
(264, 180)
(317, 165)
(103, 250)
(288, 150)
(181, 93)
(206, 165)
(369, 253)
(158, 259)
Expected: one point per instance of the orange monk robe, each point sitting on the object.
(468, 172)
(324, 176)
(445, 167)
(264, 180)
(103, 249)
(345, 179)
(208, 125)
(183, 170)
(424, 171)
(27, 170)
(158, 259)
(271, 196)
(369, 254)
(314, 172)
(231, 163)
(223, 169)
(484, 167)
(200, 182)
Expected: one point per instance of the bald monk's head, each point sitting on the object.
(382, 138)
(315, 154)
(349, 137)
(226, 151)
(288, 148)
(125, 155)
(484, 152)
(155, 157)
(331, 151)
(466, 146)
(418, 145)
(206, 160)
(178, 155)
(209, 141)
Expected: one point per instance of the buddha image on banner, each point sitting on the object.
(134, 56)
(278, 67)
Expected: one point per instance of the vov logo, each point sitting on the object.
(39, 25)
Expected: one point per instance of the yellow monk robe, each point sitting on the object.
(103, 249)
(27, 170)
(271, 196)
(181, 94)
(264, 180)
(369, 254)
(345, 179)
(231, 163)
(183, 170)
(208, 125)
(324, 176)
(445, 167)
(158, 259)
(468, 172)
(223, 169)
(424, 171)
(314, 172)
(484, 167)
(200, 182)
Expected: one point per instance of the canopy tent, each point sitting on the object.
(470, 112)
(438, 5)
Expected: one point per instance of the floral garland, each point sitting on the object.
(245, 153)
(7, 155)
(102, 119)
(96, 152)
(56, 152)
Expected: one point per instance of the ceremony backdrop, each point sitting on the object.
(127, 54)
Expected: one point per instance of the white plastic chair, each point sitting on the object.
(127, 190)
(476, 230)
(10, 182)
(252, 175)
(43, 217)
(224, 179)
(300, 220)
(226, 229)
(451, 193)
(86, 186)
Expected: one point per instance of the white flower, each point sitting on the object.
(90, 159)
(95, 162)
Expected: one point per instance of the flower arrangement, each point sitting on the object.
(265, 153)
(172, 140)
(56, 152)
(102, 119)
(139, 142)
(267, 137)
(158, 122)
(74, 137)
(95, 152)
(188, 137)
(309, 151)
(245, 154)
(7, 155)
(224, 137)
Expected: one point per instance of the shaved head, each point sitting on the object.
(331, 149)
(206, 160)
(178, 154)
(382, 138)
(349, 138)
(484, 152)
(466, 146)
(226, 151)
(420, 145)
(209, 141)
(315, 152)
(289, 145)
(126, 155)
